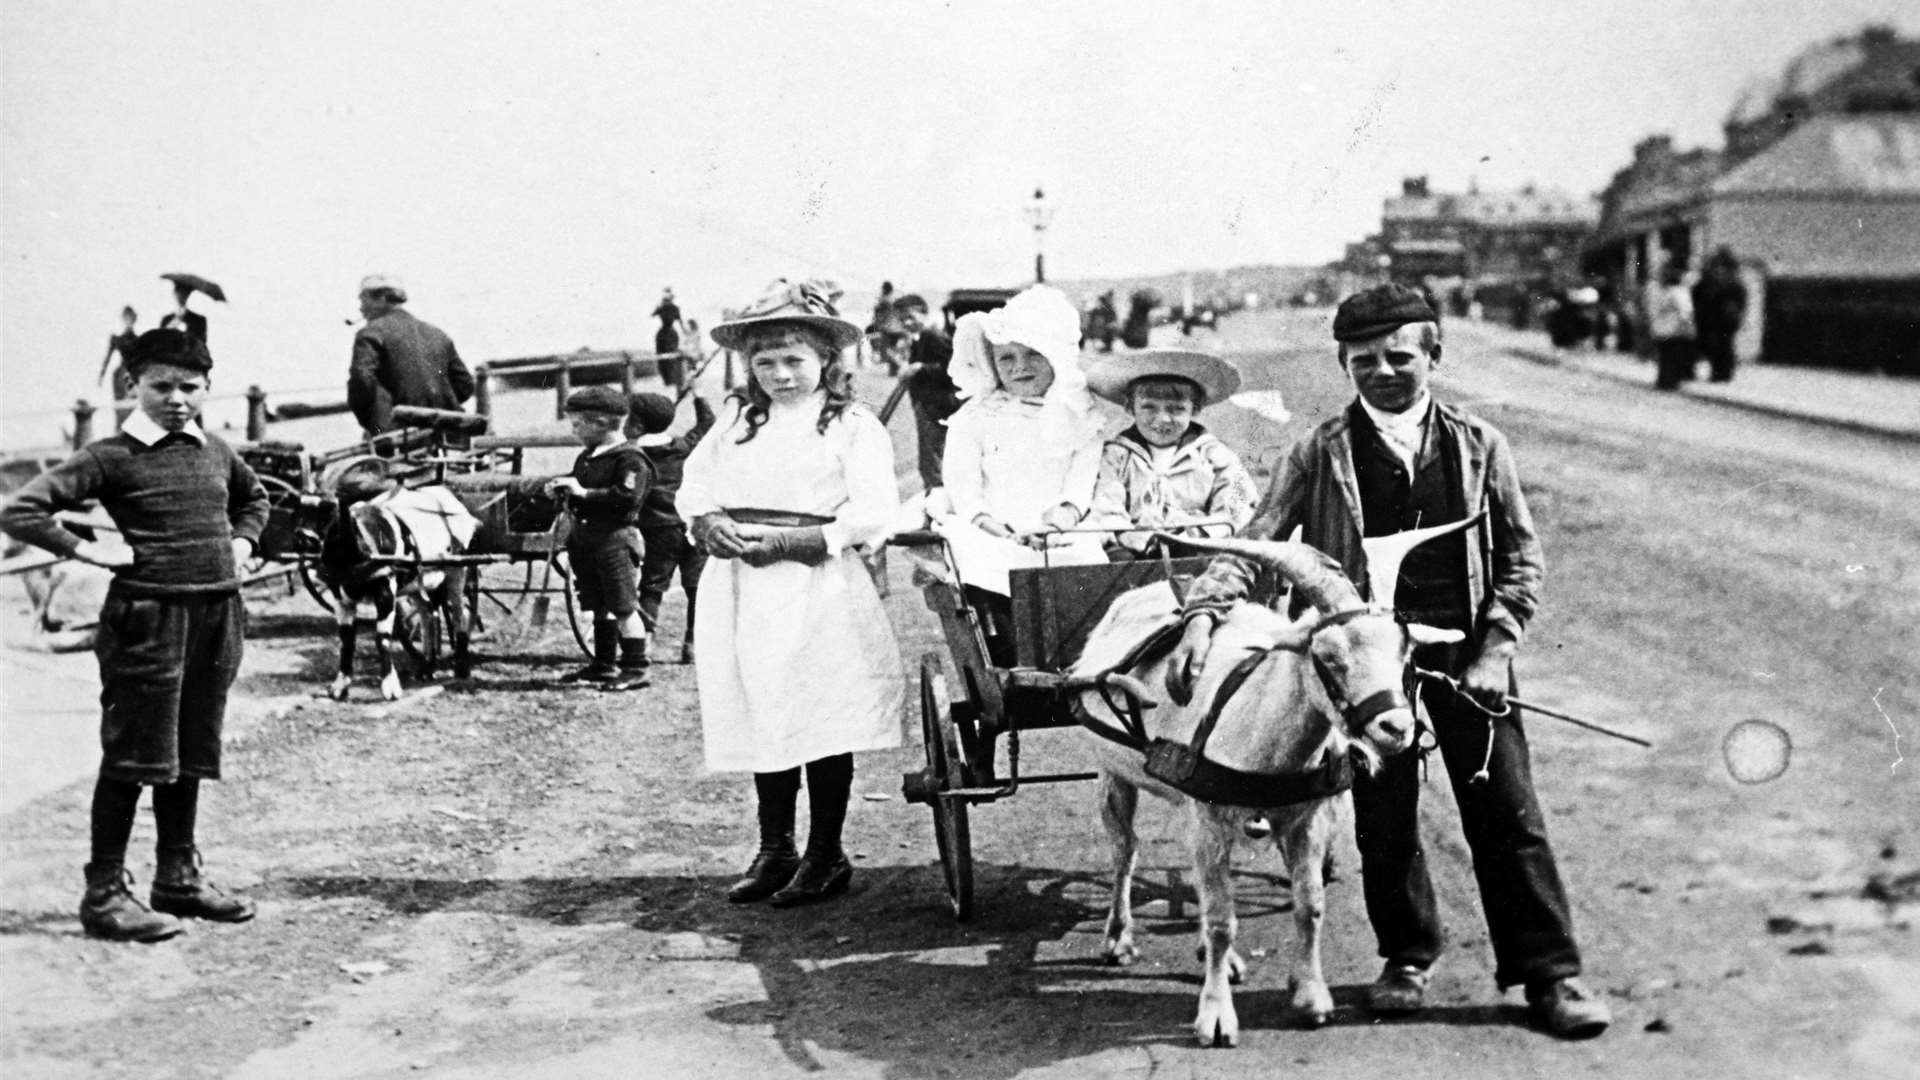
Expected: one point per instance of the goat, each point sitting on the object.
(358, 564)
(1290, 700)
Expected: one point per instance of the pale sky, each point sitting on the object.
(536, 172)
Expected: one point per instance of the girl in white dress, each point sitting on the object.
(798, 666)
(1023, 451)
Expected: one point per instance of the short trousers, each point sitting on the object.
(606, 569)
(668, 549)
(166, 664)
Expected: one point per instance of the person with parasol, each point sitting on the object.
(183, 317)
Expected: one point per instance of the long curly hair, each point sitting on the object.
(834, 377)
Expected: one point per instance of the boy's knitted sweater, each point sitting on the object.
(179, 504)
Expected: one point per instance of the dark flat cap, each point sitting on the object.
(1380, 310)
(653, 413)
(173, 347)
(598, 399)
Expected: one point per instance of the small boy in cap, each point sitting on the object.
(1395, 459)
(662, 530)
(608, 484)
(1167, 470)
(171, 630)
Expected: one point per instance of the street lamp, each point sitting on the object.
(1039, 214)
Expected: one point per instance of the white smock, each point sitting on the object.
(796, 662)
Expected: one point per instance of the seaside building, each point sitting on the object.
(1817, 192)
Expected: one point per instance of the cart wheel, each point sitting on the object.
(950, 828)
(319, 592)
(417, 626)
(580, 635)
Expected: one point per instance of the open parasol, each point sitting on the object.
(196, 282)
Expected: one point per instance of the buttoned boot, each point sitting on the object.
(633, 666)
(109, 909)
(180, 889)
(824, 870)
(606, 652)
(773, 865)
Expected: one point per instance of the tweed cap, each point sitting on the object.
(169, 346)
(1380, 310)
(604, 400)
(652, 412)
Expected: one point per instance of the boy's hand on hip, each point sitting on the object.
(243, 551)
(111, 557)
(1188, 661)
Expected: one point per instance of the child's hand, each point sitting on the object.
(243, 550)
(565, 485)
(719, 534)
(992, 526)
(111, 557)
(1063, 516)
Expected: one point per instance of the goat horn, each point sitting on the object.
(1386, 553)
(1318, 577)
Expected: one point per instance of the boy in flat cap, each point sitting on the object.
(1394, 460)
(171, 629)
(604, 493)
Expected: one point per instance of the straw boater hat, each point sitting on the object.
(1111, 376)
(808, 302)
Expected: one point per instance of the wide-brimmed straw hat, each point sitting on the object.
(1111, 375)
(807, 302)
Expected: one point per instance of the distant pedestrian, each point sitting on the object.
(604, 494)
(798, 667)
(400, 360)
(1719, 306)
(929, 387)
(663, 533)
(183, 317)
(666, 342)
(1670, 322)
(120, 345)
(171, 631)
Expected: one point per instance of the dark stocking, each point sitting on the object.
(829, 784)
(175, 806)
(777, 792)
(114, 804)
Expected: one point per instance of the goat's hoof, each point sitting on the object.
(390, 689)
(339, 688)
(1217, 1033)
(1313, 1002)
(1121, 955)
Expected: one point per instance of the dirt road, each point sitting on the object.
(510, 880)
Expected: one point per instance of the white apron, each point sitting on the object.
(796, 662)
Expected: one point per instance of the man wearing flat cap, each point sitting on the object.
(400, 360)
(1394, 460)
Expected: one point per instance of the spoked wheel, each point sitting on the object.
(417, 626)
(950, 828)
(575, 617)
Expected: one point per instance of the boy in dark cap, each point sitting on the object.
(1410, 461)
(170, 632)
(609, 482)
(662, 530)
(929, 388)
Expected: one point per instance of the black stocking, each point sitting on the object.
(114, 804)
(829, 784)
(175, 806)
(776, 793)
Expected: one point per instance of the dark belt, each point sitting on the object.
(785, 519)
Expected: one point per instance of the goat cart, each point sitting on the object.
(963, 719)
(516, 558)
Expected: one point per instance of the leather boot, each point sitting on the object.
(818, 877)
(179, 889)
(109, 909)
(606, 651)
(633, 666)
(772, 868)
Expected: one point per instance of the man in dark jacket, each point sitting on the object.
(931, 391)
(399, 360)
(1719, 305)
(1394, 459)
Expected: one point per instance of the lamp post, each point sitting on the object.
(1038, 215)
